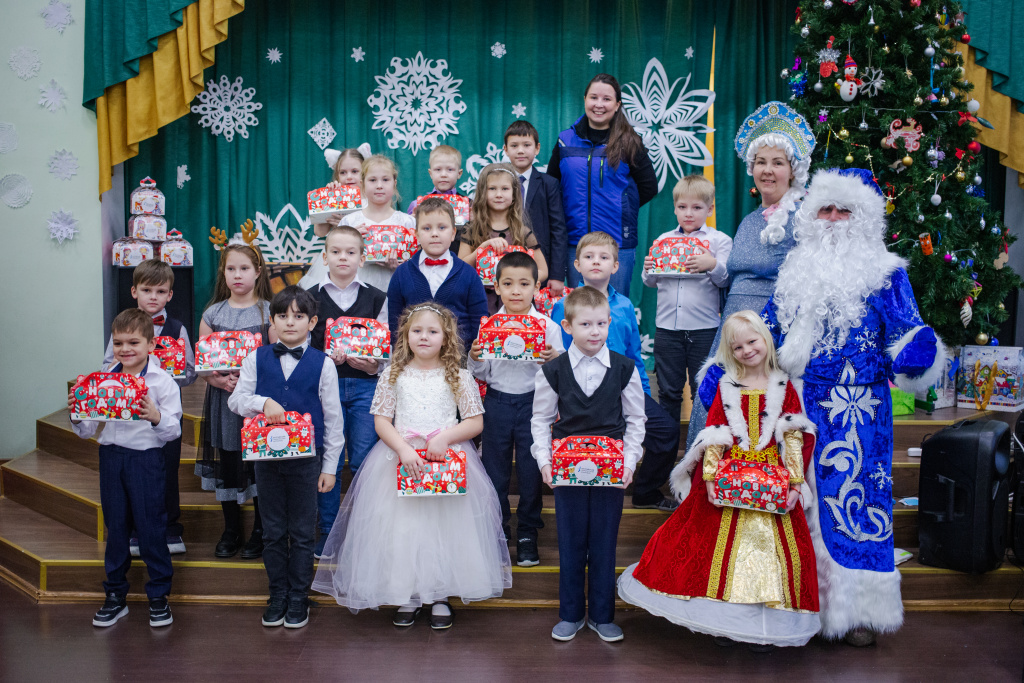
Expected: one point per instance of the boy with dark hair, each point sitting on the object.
(291, 376)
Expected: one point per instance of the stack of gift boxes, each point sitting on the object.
(148, 236)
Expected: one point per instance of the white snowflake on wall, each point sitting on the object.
(596, 55)
(416, 103)
(283, 243)
(476, 163)
(15, 190)
(498, 50)
(689, 52)
(62, 226)
(63, 164)
(183, 176)
(518, 110)
(8, 138)
(227, 108)
(274, 55)
(322, 133)
(52, 96)
(57, 15)
(25, 62)
(358, 54)
(666, 117)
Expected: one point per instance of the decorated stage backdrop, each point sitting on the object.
(295, 77)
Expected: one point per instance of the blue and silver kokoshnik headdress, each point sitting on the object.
(776, 117)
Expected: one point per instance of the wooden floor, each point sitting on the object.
(55, 642)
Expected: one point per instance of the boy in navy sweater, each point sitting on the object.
(434, 273)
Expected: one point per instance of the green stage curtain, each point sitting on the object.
(996, 28)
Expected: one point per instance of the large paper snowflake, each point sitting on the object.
(8, 138)
(596, 55)
(476, 163)
(183, 176)
(283, 243)
(666, 117)
(57, 15)
(25, 62)
(518, 110)
(62, 225)
(322, 133)
(63, 164)
(416, 103)
(52, 96)
(15, 190)
(873, 80)
(358, 54)
(227, 108)
(498, 50)
(274, 55)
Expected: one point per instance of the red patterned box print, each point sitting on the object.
(460, 205)
(504, 336)
(447, 478)
(670, 253)
(487, 261)
(363, 337)
(545, 303)
(171, 352)
(382, 240)
(264, 441)
(225, 350)
(328, 201)
(586, 461)
(108, 397)
(751, 485)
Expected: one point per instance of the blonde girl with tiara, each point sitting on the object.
(419, 551)
(240, 303)
(346, 166)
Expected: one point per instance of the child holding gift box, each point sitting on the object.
(291, 376)
(688, 303)
(415, 551)
(132, 476)
(152, 288)
(241, 302)
(588, 391)
(764, 589)
(343, 294)
(435, 274)
(445, 171)
(346, 167)
(508, 406)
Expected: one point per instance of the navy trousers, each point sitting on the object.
(507, 428)
(661, 446)
(288, 504)
(132, 496)
(172, 500)
(588, 528)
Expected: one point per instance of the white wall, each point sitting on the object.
(51, 305)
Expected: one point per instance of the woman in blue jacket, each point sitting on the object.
(606, 176)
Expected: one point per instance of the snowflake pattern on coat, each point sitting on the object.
(227, 108)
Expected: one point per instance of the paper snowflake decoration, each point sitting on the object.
(57, 15)
(227, 108)
(416, 103)
(15, 190)
(25, 62)
(183, 176)
(63, 226)
(322, 133)
(595, 55)
(8, 138)
(282, 242)
(666, 115)
(63, 164)
(873, 82)
(518, 110)
(52, 96)
(498, 50)
(274, 55)
(495, 154)
(689, 52)
(358, 54)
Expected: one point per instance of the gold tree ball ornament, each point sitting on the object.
(843, 133)
(981, 339)
(908, 160)
(885, 49)
(1002, 306)
(877, 28)
(944, 101)
(918, 101)
(849, 159)
(961, 176)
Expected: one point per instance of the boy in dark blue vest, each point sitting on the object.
(588, 391)
(291, 376)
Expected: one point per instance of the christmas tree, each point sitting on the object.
(882, 84)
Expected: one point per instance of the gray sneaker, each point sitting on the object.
(566, 630)
(609, 633)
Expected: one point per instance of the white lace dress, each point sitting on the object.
(386, 550)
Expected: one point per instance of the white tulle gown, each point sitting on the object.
(386, 550)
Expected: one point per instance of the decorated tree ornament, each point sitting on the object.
(925, 241)
(932, 154)
(929, 51)
(977, 179)
(1001, 306)
(936, 199)
(827, 4)
(818, 87)
(915, 3)
(918, 101)
(920, 218)
(973, 106)
(948, 216)
(908, 160)
(981, 222)
(966, 313)
(843, 133)
(849, 159)
(995, 230)
(848, 86)
(827, 59)
(961, 176)
(974, 146)
(910, 132)
(965, 38)
(981, 339)
(885, 48)
(944, 101)
(805, 31)
(784, 73)
(993, 342)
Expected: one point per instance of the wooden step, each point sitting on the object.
(57, 488)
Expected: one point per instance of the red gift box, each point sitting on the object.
(504, 336)
(292, 439)
(545, 303)
(670, 253)
(482, 386)
(487, 261)
(382, 240)
(328, 201)
(108, 397)
(447, 478)
(171, 352)
(363, 337)
(586, 461)
(225, 350)
(751, 485)
(460, 205)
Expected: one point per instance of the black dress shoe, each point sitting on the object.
(406, 618)
(230, 542)
(297, 615)
(277, 606)
(440, 622)
(254, 547)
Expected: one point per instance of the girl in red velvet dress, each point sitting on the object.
(737, 574)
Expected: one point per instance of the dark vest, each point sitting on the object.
(300, 392)
(582, 415)
(368, 304)
(171, 328)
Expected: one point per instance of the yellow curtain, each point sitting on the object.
(1008, 135)
(168, 81)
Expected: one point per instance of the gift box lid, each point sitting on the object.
(581, 445)
(146, 198)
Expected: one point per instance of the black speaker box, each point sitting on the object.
(181, 305)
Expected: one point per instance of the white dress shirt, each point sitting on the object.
(528, 174)
(190, 355)
(689, 301)
(516, 376)
(435, 275)
(142, 434)
(345, 298)
(244, 401)
(589, 372)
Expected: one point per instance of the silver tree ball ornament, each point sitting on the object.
(973, 106)
(995, 230)
(863, 125)
(827, 4)
(977, 180)
(936, 199)
(784, 73)
(920, 218)
(929, 51)
(948, 216)
(932, 154)
(818, 87)
(805, 31)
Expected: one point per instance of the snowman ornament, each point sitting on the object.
(850, 83)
